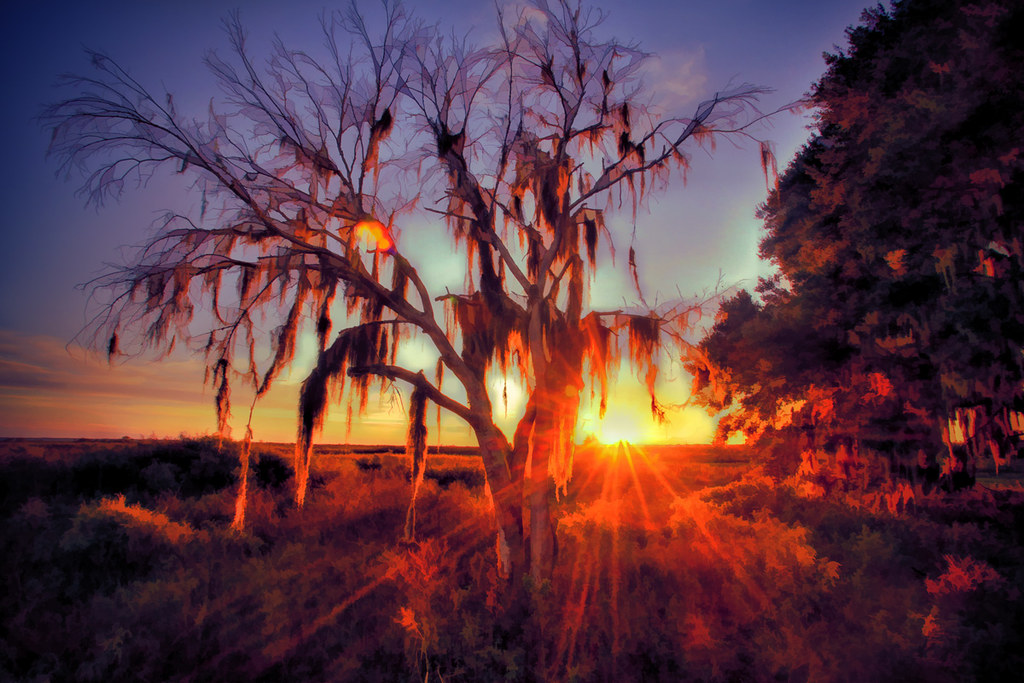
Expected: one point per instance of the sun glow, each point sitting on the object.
(628, 418)
(620, 427)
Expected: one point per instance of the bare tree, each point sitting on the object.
(306, 175)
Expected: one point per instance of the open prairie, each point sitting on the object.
(681, 563)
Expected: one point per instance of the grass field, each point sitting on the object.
(675, 563)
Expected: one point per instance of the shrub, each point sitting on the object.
(111, 542)
(270, 471)
(211, 466)
(369, 464)
(468, 477)
(106, 472)
(25, 477)
(159, 477)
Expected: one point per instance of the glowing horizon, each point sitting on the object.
(46, 391)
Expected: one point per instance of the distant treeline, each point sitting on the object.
(363, 449)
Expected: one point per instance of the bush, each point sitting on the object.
(468, 477)
(270, 471)
(105, 473)
(369, 464)
(111, 543)
(25, 477)
(159, 477)
(210, 466)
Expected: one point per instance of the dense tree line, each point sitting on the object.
(890, 341)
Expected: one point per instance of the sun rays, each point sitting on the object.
(613, 497)
(621, 498)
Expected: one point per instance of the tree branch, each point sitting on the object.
(417, 379)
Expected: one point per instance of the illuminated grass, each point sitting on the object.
(678, 564)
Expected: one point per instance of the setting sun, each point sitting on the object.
(620, 427)
(628, 417)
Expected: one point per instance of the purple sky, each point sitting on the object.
(52, 242)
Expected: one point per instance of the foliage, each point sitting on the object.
(892, 335)
(191, 467)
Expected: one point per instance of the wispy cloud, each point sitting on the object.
(48, 390)
(678, 78)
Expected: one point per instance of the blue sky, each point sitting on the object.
(53, 242)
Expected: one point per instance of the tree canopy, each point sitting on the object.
(312, 170)
(892, 335)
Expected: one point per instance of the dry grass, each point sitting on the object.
(675, 564)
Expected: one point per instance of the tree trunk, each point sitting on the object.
(543, 550)
(543, 547)
(506, 493)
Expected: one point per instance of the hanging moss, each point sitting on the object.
(487, 333)
(574, 304)
(644, 333)
(355, 347)
(323, 320)
(590, 237)
(416, 449)
(223, 397)
(448, 142)
(533, 257)
(644, 338)
(284, 339)
(112, 346)
(601, 353)
(381, 128)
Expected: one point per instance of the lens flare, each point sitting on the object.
(377, 232)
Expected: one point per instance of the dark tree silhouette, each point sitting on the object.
(894, 336)
(306, 175)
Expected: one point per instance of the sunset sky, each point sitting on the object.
(52, 242)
